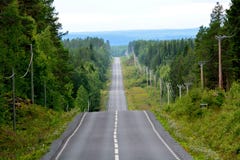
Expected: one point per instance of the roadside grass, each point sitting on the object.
(139, 97)
(105, 91)
(207, 133)
(37, 128)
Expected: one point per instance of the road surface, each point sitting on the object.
(117, 99)
(119, 134)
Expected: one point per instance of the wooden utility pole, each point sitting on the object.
(187, 86)
(150, 78)
(220, 79)
(201, 63)
(147, 75)
(160, 88)
(180, 89)
(168, 92)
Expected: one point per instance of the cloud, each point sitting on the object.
(94, 15)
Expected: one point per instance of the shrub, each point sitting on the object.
(214, 98)
(234, 94)
(81, 100)
(196, 94)
(235, 90)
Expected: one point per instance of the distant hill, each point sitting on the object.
(119, 38)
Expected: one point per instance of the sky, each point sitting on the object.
(115, 15)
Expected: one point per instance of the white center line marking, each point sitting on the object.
(115, 137)
(116, 157)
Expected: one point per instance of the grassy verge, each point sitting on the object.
(105, 91)
(211, 132)
(139, 97)
(37, 127)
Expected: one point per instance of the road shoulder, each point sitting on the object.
(177, 149)
(57, 144)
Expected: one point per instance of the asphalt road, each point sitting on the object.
(118, 134)
(117, 99)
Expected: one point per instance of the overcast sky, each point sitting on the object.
(109, 15)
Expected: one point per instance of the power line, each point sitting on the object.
(30, 63)
(13, 76)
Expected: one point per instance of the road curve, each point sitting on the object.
(119, 134)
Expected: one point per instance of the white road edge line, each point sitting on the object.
(65, 144)
(158, 135)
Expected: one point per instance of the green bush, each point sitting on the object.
(214, 98)
(235, 90)
(196, 94)
(234, 94)
(81, 100)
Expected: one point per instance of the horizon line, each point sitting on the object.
(126, 30)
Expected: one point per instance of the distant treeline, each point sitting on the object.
(122, 38)
(177, 61)
(117, 51)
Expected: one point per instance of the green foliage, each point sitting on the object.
(135, 90)
(65, 76)
(57, 71)
(189, 106)
(164, 72)
(210, 132)
(207, 46)
(91, 59)
(132, 75)
(184, 107)
(213, 98)
(216, 126)
(235, 90)
(81, 100)
(234, 95)
(195, 94)
(52, 66)
(172, 61)
(33, 22)
(37, 127)
(232, 26)
(184, 55)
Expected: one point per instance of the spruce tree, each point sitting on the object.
(233, 29)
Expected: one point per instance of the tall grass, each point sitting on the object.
(37, 127)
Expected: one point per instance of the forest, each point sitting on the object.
(46, 70)
(178, 80)
(44, 81)
(179, 61)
